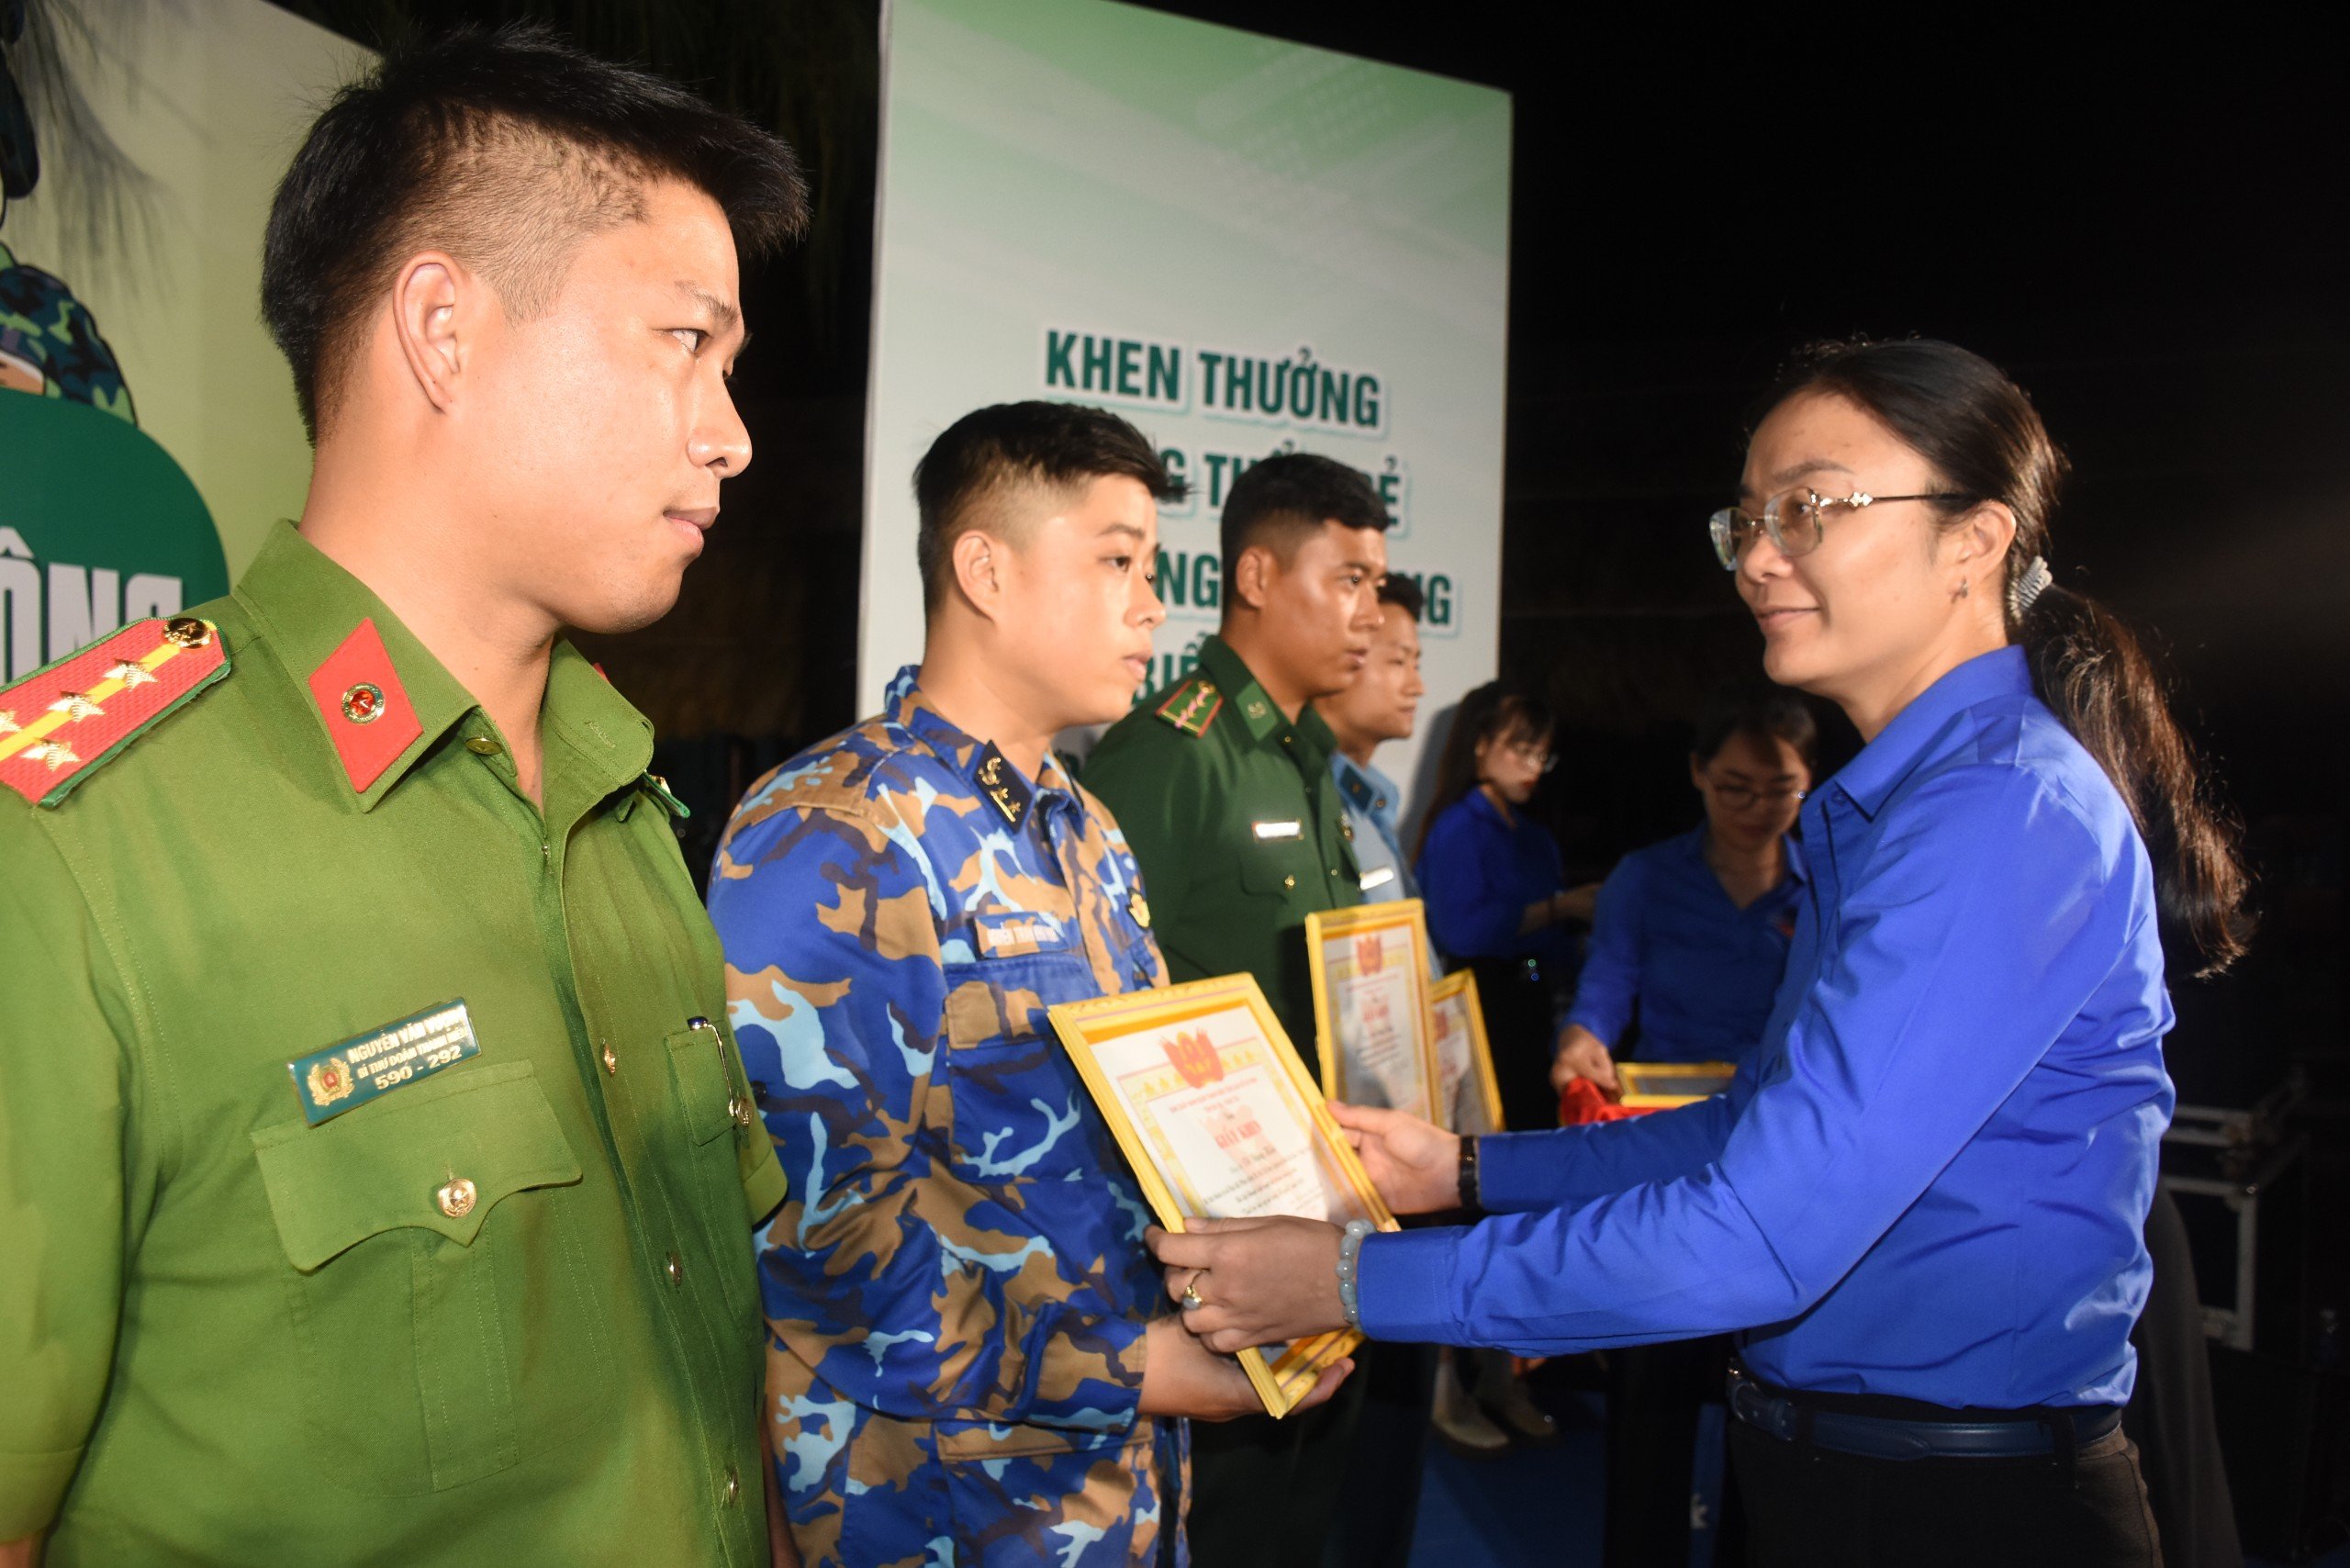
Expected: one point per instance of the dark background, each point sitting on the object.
(2144, 229)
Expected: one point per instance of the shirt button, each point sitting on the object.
(733, 1486)
(675, 1269)
(611, 1062)
(482, 746)
(456, 1199)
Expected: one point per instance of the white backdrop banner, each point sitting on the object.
(1243, 245)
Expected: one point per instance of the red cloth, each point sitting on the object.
(1581, 1104)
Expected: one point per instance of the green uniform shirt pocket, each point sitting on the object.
(1280, 869)
(712, 1101)
(705, 1089)
(411, 1303)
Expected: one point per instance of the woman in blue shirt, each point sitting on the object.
(1691, 935)
(1686, 951)
(1489, 880)
(1920, 1200)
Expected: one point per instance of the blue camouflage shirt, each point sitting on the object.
(957, 1289)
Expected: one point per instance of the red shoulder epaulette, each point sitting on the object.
(1192, 706)
(57, 724)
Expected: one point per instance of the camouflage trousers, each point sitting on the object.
(865, 1490)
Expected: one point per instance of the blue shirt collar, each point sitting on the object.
(1366, 789)
(1693, 847)
(912, 711)
(1902, 745)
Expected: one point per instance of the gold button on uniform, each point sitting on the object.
(611, 1062)
(482, 746)
(457, 1198)
(740, 1110)
(733, 1486)
(675, 1269)
(1289, 881)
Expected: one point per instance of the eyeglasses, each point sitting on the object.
(1539, 758)
(1796, 521)
(1738, 797)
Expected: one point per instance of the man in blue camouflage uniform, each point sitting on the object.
(963, 1363)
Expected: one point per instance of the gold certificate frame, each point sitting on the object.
(1370, 1006)
(1219, 1119)
(1471, 1092)
(1663, 1085)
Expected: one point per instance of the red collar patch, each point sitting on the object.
(367, 713)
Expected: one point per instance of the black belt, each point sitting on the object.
(2025, 1435)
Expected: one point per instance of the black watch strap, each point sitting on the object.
(1469, 1197)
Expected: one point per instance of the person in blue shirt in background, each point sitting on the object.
(1381, 705)
(1489, 875)
(1401, 1388)
(1687, 949)
(1690, 937)
(1496, 898)
(1920, 1201)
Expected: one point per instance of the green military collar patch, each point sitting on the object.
(658, 787)
(1192, 706)
(345, 1076)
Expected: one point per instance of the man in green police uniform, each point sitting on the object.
(1222, 784)
(376, 1173)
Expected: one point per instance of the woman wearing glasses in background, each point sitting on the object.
(1687, 949)
(1690, 937)
(1921, 1199)
(1496, 900)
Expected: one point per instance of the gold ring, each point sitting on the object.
(1191, 1301)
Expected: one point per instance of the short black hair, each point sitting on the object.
(1756, 708)
(980, 455)
(1404, 593)
(503, 146)
(1283, 498)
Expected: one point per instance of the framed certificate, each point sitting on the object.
(1371, 1005)
(1662, 1085)
(1219, 1120)
(1467, 1090)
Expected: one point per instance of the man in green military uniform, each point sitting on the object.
(376, 1172)
(1222, 784)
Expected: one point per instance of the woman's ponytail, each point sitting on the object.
(2089, 670)
(1976, 427)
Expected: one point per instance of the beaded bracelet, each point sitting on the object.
(1349, 1250)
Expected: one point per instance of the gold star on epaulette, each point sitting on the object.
(57, 754)
(75, 705)
(131, 673)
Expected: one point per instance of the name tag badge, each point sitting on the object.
(1015, 934)
(1269, 831)
(1378, 877)
(342, 1077)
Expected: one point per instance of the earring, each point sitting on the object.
(1965, 588)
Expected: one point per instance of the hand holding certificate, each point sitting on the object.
(1220, 1121)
